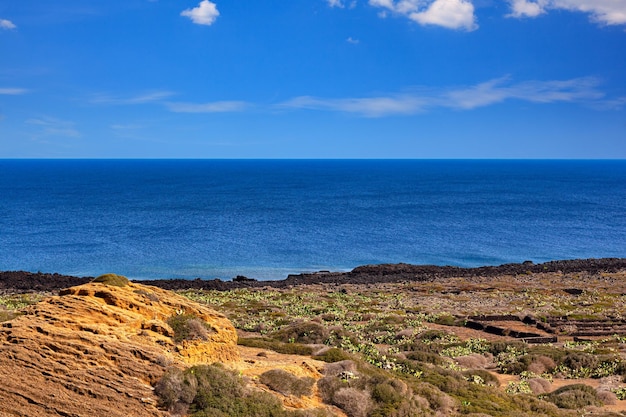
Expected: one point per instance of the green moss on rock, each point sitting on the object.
(112, 279)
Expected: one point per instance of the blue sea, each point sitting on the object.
(266, 219)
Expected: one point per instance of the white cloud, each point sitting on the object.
(335, 3)
(13, 91)
(451, 14)
(577, 90)
(50, 126)
(150, 97)
(212, 107)
(7, 24)
(352, 40)
(369, 107)
(499, 90)
(204, 14)
(341, 4)
(525, 8)
(607, 12)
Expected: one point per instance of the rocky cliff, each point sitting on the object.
(97, 350)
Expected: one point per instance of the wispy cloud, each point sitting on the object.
(577, 90)
(13, 91)
(149, 97)
(335, 3)
(126, 126)
(204, 14)
(606, 12)
(367, 106)
(341, 3)
(353, 41)
(211, 107)
(7, 24)
(451, 14)
(50, 126)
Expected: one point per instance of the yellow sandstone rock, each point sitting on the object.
(97, 349)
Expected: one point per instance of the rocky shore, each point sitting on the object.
(20, 281)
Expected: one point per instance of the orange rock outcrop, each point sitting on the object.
(97, 350)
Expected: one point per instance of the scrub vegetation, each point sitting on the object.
(405, 350)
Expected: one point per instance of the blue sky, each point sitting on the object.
(313, 79)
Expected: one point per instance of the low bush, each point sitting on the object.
(333, 355)
(176, 390)
(354, 402)
(496, 348)
(8, 315)
(481, 377)
(213, 391)
(286, 383)
(280, 347)
(579, 360)
(607, 397)
(305, 332)
(112, 279)
(473, 361)
(427, 357)
(189, 327)
(539, 385)
(339, 368)
(573, 397)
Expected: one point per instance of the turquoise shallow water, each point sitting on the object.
(268, 218)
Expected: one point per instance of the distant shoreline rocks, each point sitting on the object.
(21, 281)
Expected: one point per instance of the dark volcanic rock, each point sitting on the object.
(20, 281)
(368, 274)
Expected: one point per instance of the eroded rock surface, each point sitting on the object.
(96, 350)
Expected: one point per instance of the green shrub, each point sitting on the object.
(354, 402)
(189, 327)
(496, 348)
(149, 295)
(334, 355)
(579, 360)
(387, 395)
(573, 397)
(213, 391)
(176, 390)
(328, 386)
(8, 315)
(481, 377)
(286, 383)
(428, 357)
(112, 279)
(304, 332)
(286, 348)
(346, 367)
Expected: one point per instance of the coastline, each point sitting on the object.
(21, 281)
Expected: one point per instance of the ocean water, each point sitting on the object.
(268, 218)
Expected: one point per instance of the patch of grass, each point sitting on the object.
(280, 347)
(112, 279)
(19, 301)
(8, 315)
(334, 355)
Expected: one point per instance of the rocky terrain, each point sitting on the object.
(97, 350)
(79, 347)
(20, 281)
